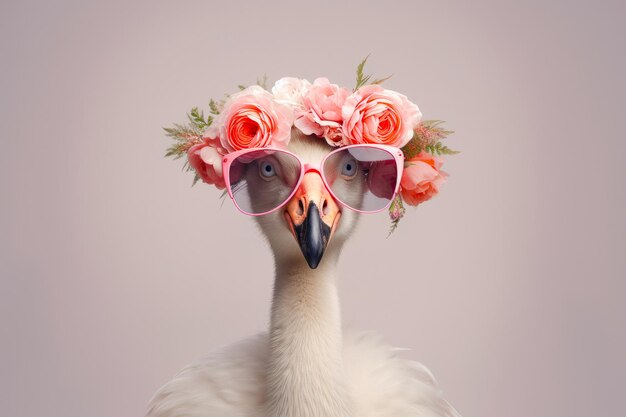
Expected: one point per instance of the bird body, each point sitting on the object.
(306, 365)
(232, 382)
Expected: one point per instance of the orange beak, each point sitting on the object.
(312, 215)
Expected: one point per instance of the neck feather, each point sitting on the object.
(305, 373)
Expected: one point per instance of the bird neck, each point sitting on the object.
(305, 373)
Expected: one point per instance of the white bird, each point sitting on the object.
(306, 366)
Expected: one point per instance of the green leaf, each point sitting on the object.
(361, 79)
(444, 150)
(439, 149)
(379, 81)
(427, 136)
(185, 136)
(213, 107)
(364, 79)
(196, 117)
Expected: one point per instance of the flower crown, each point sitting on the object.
(256, 117)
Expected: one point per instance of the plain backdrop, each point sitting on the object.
(115, 273)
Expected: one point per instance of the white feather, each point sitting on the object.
(231, 383)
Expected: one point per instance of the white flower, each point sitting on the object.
(290, 91)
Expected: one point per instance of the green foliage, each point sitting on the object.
(360, 78)
(412, 149)
(184, 136)
(214, 107)
(427, 136)
(439, 149)
(434, 129)
(196, 117)
(363, 79)
(187, 135)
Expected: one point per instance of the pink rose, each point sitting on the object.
(375, 115)
(322, 111)
(290, 91)
(207, 162)
(421, 178)
(252, 119)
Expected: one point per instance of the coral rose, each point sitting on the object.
(375, 115)
(290, 91)
(252, 119)
(322, 111)
(207, 162)
(421, 178)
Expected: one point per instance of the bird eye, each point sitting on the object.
(266, 169)
(349, 167)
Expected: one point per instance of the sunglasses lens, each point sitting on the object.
(263, 180)
(362, 178)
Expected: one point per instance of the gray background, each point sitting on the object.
(115, 273)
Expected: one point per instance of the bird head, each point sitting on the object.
(312, 223)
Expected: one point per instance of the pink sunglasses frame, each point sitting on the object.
(228, 159)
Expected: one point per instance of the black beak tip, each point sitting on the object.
(313, 261)
(312, 236)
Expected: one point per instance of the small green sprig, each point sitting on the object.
(439, 149)
(196, 117)
(187, 135)
(215, 108)
(363, 79)
(427, 136)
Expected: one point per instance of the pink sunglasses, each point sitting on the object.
(364, 178)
